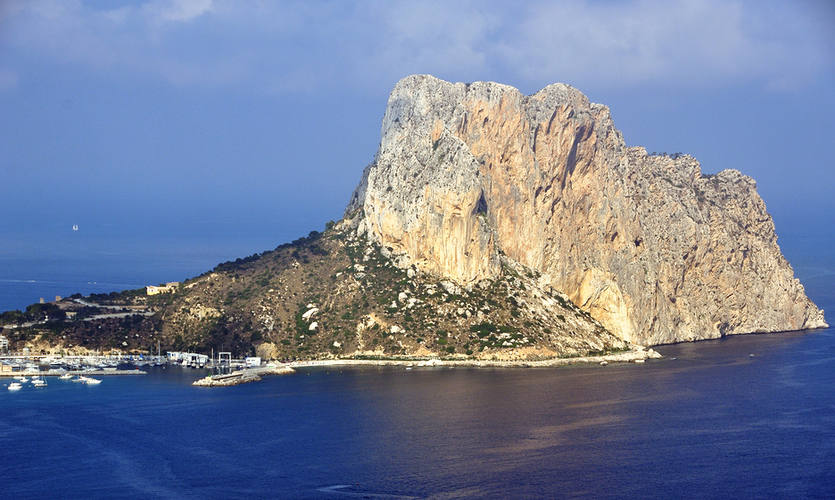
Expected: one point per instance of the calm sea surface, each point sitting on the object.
(715, 422)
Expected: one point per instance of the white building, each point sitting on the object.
(253, 362)
(194, 359)
(166, 288)
(4, 343)
(187, 358)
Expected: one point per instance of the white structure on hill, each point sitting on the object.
(166, 288)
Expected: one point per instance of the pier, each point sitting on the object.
(242, 376)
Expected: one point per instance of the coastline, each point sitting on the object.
(631, 356)
(245, 376)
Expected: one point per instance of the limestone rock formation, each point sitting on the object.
(469, 174)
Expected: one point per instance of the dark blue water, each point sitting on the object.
(715, 423)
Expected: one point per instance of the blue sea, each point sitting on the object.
(743, 417)
(716, 422)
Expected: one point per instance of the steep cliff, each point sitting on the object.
(469, 174)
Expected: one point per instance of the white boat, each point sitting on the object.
(15, 386)
(91, 381)
(65, 376)
(80, 378)
(39, 382)
(22, 379)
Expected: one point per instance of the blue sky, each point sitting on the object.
(238, 125)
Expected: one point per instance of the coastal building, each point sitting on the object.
(166, 288)
(195, 360)
(187, 358)
(253, 362)
(4, 343)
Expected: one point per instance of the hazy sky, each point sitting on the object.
(245, 124)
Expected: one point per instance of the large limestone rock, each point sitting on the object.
(655, 250)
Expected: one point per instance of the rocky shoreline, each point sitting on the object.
(242, 376)
(635, 355)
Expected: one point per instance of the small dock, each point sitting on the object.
(244, 376)
(58, 373)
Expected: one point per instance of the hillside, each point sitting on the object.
(335, 294)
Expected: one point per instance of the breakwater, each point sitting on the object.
(242, 376)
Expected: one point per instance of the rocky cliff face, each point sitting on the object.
(469, 174)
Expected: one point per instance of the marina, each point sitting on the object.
(65, 367)
(63, 374)
(226, 371)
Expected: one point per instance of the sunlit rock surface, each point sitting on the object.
(652, 248)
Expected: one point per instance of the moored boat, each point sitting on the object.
(15, 386)
(90, 380)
